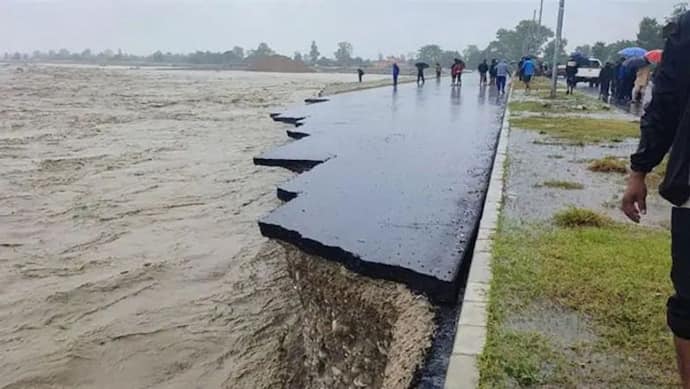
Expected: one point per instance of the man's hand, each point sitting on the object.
(635, 197)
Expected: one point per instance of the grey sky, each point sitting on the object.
(372, 26)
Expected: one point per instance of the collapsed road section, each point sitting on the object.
(392, 183)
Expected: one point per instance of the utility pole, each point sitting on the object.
(541, 12)
(557, 49)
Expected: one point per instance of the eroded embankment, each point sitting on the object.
(355, 331)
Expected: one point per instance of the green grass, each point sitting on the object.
(609, 164)
(567, 185)
(579, 129)
(615, 276)
(566, 104)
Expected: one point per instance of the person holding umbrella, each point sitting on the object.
(420, 72)
(644, 74)
(636, 76)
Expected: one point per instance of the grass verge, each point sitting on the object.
(569, 104)
(580, 129)
(613, 276)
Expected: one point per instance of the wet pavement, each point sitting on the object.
(632, 108)
(400, 193)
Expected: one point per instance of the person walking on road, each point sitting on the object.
(527, 70)
(420, 72)
(396, 73)
(438, 71)
(666, 126)
(459, 68)
(492, 72)
(483, 69)
(502, 73)
(360, 73)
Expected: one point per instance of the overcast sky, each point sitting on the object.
(372, 26)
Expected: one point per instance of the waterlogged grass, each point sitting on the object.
(609, 164)
(614, 275)
(566, 185)
(579, 129)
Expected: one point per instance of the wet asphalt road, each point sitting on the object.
(400, 181)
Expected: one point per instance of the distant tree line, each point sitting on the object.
(526, 38)
(343, 56)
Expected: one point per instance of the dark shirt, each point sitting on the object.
(483, 67)
(666, 121)
(607, 73)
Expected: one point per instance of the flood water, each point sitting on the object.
(129, 251)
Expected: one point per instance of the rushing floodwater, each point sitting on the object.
(129, 252)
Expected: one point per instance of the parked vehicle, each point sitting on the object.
(589, 73)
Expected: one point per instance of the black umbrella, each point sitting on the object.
(580, 59)
(636, 63)
(421, 65)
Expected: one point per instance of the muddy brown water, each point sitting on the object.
(129, 252)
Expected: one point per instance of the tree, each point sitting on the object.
(650, 35)
(343, 56)
(617, 46)
(314, 52)
(527, 38)
(448, 56)
(473, 56)
(262, 51)
(550, 47)
(238, 52)
(585, 50)
(678, 10)
(157, 56)
(600, 51)
(430, 54)
(298, 56)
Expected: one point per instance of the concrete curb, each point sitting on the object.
(463, 372)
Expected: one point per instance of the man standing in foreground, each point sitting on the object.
(666, 125)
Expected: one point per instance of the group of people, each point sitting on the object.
(496, 73)
(626, 80)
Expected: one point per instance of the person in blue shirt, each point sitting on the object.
(396, 73)
(527, 70)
